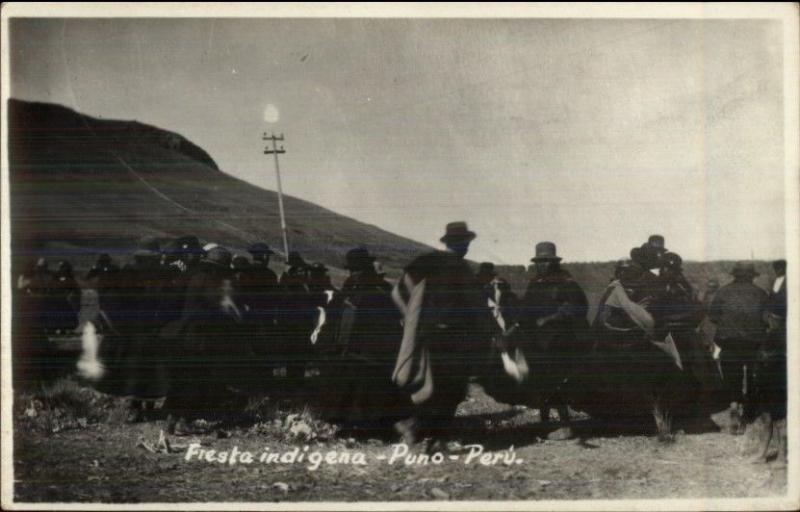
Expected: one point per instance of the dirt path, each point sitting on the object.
(102, 462)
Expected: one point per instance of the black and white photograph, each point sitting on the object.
(454, 256)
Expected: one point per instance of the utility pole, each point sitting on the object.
(276, 151)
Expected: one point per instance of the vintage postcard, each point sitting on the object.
(340, 256)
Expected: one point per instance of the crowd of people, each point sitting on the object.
(197, 324)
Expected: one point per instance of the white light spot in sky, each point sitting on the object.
(271, 114)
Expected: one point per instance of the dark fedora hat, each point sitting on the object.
(744, 268)
(657, 243)
(457, 232)
(358, 258)
(259, 248)
(546, 251)
(295, 260)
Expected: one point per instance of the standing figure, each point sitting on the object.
(737, 310)
(205, 340)
(444, 334)
(770, 373)
(67, 297)
(258, 288)
(296, 316)
(554, 312)
(147, 359)
(367, 333)
(325, 301)
(31, 351)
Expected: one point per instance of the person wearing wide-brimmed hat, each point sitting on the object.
(295, 319)
(554, 310)
(206, 340)
(260, 293)
(259, 271)
(368, 329)
(737, 310)
(452, 324)
(486, 273)
(134, 357)
(770, 372)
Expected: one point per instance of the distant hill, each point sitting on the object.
(81, 186)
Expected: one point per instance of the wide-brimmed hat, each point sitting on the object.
(259, 248)
(657, 243)
(295, 260)
(457, 232)
(744, 268)
(546, 251)
(358, 258)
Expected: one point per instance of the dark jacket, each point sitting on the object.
(369, 324)
(296, 309)
(559, 296)
(258, 287)
(737, 310)
(676, 308)
(454, 313)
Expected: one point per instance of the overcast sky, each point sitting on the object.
(590, 133)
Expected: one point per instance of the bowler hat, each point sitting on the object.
(295, 260)
(744, 268)
(457, 232)
(358, 258)
(657, 243)
(259, 248)
(546, 251)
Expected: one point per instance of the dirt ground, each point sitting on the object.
(104, 460)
